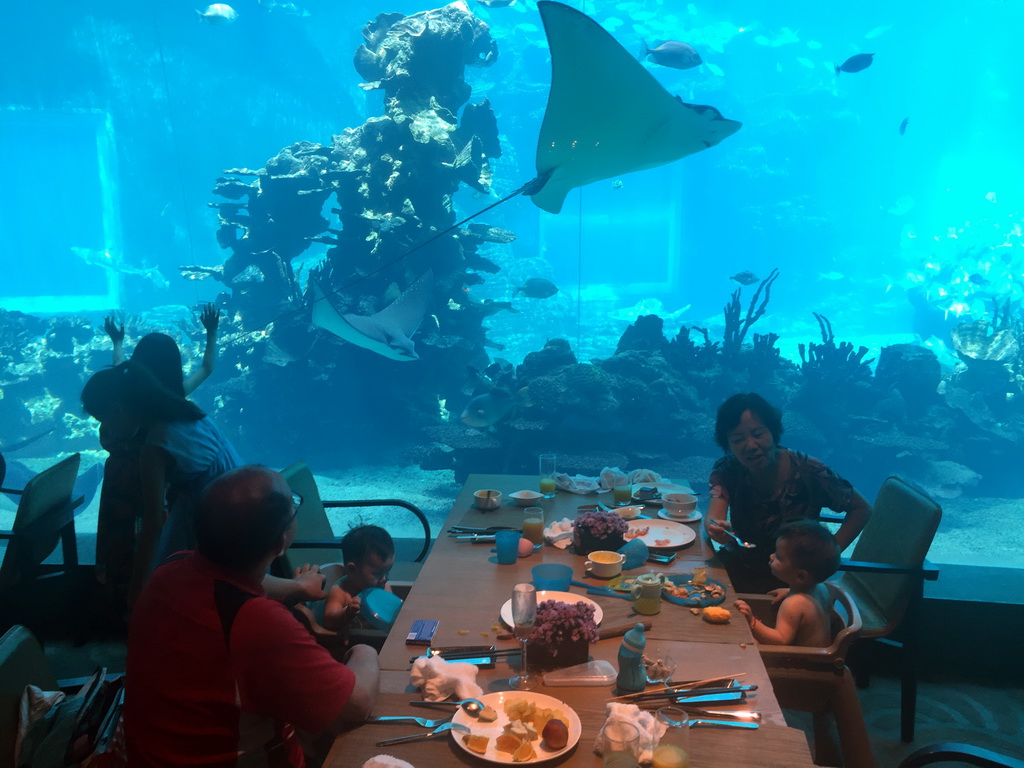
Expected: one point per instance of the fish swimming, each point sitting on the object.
(218, 13)
(856, 63)
(536, 288)
(606, 114)
(388, 332)
(672, 53)
(109, 260)
(903, 125)
(745, 278)
(491, 407)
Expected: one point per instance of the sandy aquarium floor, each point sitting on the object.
(984, 531)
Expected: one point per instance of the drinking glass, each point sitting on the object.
(524, 614)
(622, 494)
(621, 745)
(673, 750)
(533, 525)
(547, 475)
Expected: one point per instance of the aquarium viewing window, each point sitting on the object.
(60, 212)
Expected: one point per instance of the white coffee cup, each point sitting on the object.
(604, 563)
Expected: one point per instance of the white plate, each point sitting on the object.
(562, 597)
(693, 517)
(495, 729)
(662, 534)
(662, 488)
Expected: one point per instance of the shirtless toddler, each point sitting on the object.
(805, 555)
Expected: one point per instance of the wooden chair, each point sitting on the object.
(45, 517)
(885, 577)
(816, 680)
(319, 543)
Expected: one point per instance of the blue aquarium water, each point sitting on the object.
(853, 252)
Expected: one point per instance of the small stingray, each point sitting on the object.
(606, 114)
(389, 332)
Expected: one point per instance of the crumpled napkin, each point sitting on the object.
(386, 761)
(580, 484)
(650, 729)
(439, 679)
(559, 533)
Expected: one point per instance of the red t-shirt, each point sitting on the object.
(217, 670)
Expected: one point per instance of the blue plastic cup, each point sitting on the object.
(507, 545)
(636, 553)
(553, 577)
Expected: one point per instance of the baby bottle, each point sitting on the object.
(632, 677)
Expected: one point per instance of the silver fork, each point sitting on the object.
(408, 719)
(741, 542)
(443, 728)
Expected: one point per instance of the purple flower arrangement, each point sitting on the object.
(560, 623)
(600, 525)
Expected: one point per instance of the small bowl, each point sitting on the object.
(487, 499)
(553, 577)
(526, 498)
(629, 513)
(679, 504)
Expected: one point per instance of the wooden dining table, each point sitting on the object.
(462, 586)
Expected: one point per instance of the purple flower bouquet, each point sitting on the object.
(562, 633)
(598, 530)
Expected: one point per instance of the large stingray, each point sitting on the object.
(606, 114)
(389, 332)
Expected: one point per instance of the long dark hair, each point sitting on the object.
(160, 354)
(137, 390)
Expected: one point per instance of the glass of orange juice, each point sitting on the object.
(673, 750)
(533, 525)
(547, 475)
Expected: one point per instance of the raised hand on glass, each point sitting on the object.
(524, 614)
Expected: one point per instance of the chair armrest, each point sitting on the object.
(831, 517)
(72, 685)
(927, 570)
(316, 543)
(962, 753)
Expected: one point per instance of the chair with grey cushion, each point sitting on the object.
(885, 576)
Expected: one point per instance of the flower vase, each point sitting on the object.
(584, 543)
(564, 654)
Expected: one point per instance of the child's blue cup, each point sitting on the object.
(636, 553)
(379, 607)
(507, 546)
(553, 577)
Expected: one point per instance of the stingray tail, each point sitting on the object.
(644, 50)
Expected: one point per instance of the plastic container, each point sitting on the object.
(553, 577)
(596, 672)
(379, 607)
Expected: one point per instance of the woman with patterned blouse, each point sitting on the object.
(759, 486)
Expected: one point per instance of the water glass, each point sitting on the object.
(547, 475)
(673, 750)
(524, 614)
(660, 666)
(621, 745)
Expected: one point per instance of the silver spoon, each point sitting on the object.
(472, 706)
(741, 542)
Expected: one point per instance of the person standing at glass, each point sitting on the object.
(760, 485)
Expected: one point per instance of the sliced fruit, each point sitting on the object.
(524, 753)
(507, 742)
(475, 743)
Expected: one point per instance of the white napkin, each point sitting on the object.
(612, 477)
(386, 761)
(439, 679)
(644, 476)
(579, 484)
(650, 729)
(559, 534)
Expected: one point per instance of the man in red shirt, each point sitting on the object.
(219, 674)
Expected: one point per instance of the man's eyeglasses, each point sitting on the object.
(296, 503)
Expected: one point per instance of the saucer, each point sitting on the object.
(693, 517)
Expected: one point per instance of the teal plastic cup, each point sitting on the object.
(506, 543)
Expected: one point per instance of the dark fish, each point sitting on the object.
(978, 279)
(856, 63)
(491, 407)
(496, 3)
(903, 125)
(745, 278)
(537, 288)
(672, 53)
